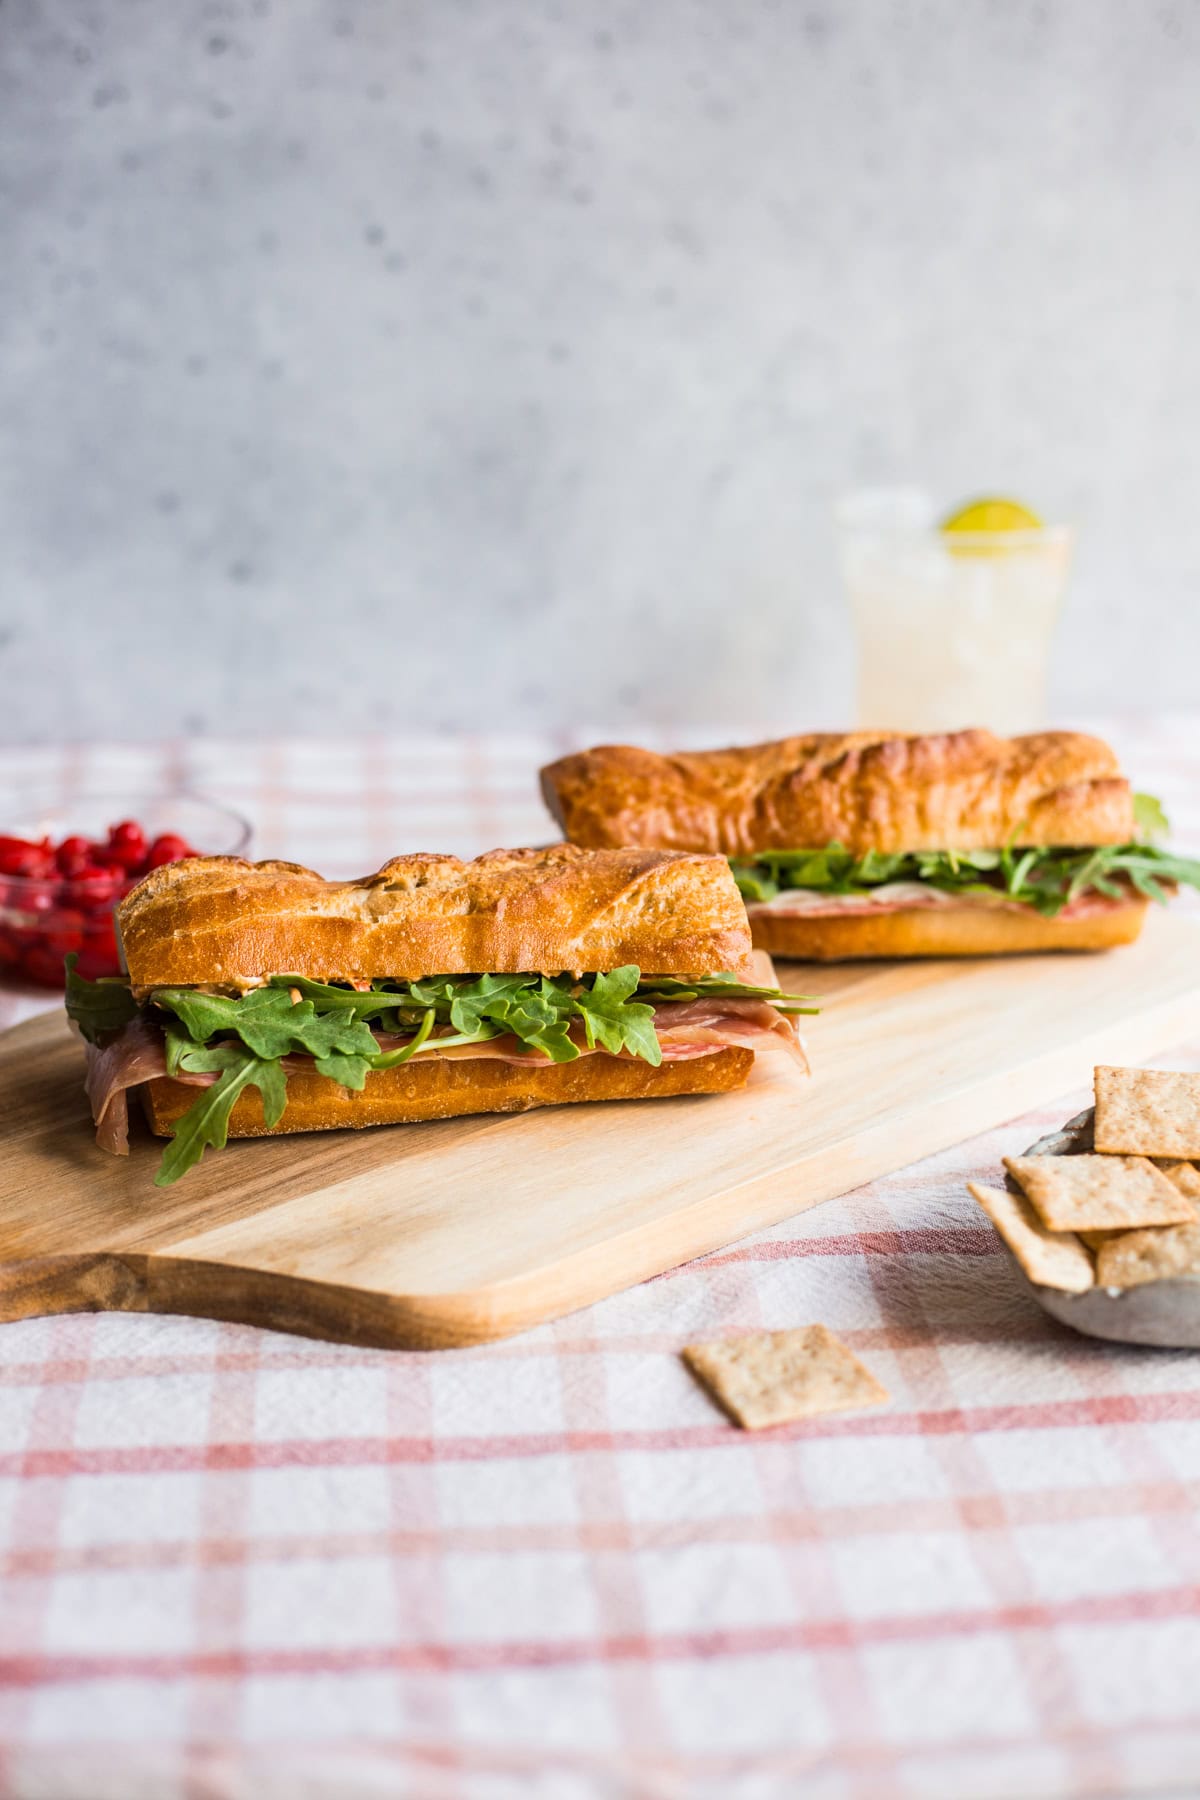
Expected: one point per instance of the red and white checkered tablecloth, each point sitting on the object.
(241, 1566)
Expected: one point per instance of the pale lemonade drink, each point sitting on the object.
(952, 628)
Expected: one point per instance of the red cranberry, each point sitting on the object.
(95, 889)
(72, 855)
(17, 857)
(128, 835)
(126, 845)
(167, 849)
(101, 855)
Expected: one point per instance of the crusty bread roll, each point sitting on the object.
(866, 790)
(224, 922)
(942, 931)
(451, 1089)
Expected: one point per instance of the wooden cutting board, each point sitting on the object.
(469, 1229)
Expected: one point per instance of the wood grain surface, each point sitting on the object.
(469, 1229)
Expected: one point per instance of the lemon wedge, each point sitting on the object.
(980, 520)
(993, 515)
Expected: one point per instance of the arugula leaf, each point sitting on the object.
(348, 1071)
(1151, 823)
(473, 1002)
(207, 1059)
(541, 1018)
(721, 987)
(440, 990)
(377, 1001)
(755, 882)
(875, 866)
(177, 1043)
(331, 1034)
(533, 1008)
(1016, 873)
(613, 1020)
(206, 1122)
(268, 1022)
(99, 1008)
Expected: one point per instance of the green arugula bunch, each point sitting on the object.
(1047, 880)
(244, 1039)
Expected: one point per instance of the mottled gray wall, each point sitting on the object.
(364, 362)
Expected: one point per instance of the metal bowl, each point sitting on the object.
(1165, 1313)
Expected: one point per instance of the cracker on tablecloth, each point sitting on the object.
(771, 1377)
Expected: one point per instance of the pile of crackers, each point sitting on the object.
(1126, 1214)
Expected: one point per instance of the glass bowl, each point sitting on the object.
(50, 911)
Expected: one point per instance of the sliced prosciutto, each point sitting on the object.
(135, 1055)
(906, 896)
(698, 1027)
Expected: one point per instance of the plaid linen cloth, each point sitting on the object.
(241, 1566)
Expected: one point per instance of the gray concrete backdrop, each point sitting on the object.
(366, 362)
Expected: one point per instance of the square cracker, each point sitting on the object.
(1147, 1112)
(1129, 1258)
(1185, 1175)
(1054, 1259)
(770, 1377)
(1100, 1193)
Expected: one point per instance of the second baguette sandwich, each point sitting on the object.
(874, 844)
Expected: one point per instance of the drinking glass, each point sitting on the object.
(952, 628)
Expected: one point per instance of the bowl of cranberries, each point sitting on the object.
(64, 870)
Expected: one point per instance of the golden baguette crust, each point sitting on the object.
(450, 1089)
(866, 790)
(942, 931)
(225, 922)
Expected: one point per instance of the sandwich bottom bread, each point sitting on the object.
(261, 999)
(846, 935)
(448, 1090)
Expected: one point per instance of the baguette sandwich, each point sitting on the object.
(873, 844)
(260, 998)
